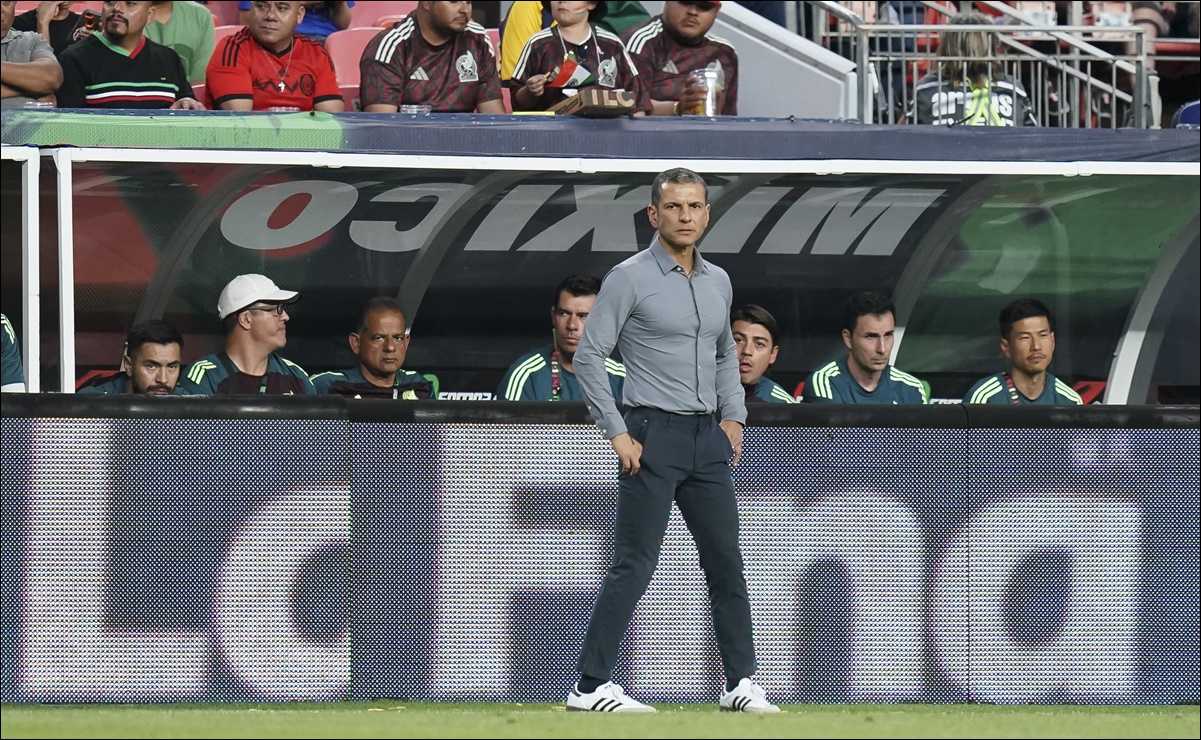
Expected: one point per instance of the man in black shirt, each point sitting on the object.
(56, 22)
(120, 68)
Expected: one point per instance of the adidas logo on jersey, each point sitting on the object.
(419, 75)
(671, 68)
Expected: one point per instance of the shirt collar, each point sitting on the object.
(131, 54)
(12, 34)
(667, 263)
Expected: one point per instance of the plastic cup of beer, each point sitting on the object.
(713, 80)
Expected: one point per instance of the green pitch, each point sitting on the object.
(393, 719)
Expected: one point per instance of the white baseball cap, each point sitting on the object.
(246, 290)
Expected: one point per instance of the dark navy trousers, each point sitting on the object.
(685, 459)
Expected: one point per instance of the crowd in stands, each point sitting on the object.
(317, 56)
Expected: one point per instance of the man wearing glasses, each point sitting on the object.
(254, 312)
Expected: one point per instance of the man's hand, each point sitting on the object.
(733, 430)
(187, 104)
(48, 11)
(691, 98)
(536, 85)
(629, 452)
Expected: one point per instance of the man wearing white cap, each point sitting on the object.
(254, 312)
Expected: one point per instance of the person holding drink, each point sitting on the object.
(687, 70)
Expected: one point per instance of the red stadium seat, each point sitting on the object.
(367, 14)
(226, 11)
(220, 32)
(506, 97)
(346, 49)
(350, 96)
(387, 21)
(198, 91)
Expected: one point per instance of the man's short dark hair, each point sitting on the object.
(1022, 308)
(379, 303)
(865, 303)
(676, 176)
(576, 285)
(152, 331)
(753, 314)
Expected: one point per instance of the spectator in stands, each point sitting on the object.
(30, 71)
(970, 87)
(319, 21)
(547, 373)
(571, 56)
(436, 56)
(1188, 115)
(1028, 340)
(527, 17)
(254, 312)
(12, 375)
(187, 28)
(266, 65)
(380, 341)
(120, 68)
(864, 375)
(757, 337)
(674, 44)
(55, 22)
(152, 361)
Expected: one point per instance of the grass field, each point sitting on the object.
(392, 719)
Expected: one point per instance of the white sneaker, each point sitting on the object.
(608, 697)
(747, 696)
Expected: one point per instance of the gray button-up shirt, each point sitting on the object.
(22, 46)
(674, 335)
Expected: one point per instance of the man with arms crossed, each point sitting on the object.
(1028, 340)
(864, 376)
(668, 311)
(152, 362)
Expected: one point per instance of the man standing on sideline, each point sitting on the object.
(380, 341)
(1028, 340)
(267, 65)
(547, 374)
(254, 312)
(152, 361)
(864, 375)
(121, 68)
(437, 57)
(668, 310)
(676, 43)
(757, 337)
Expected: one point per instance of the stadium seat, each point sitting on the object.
(226, 10)
(387, 21)
(220, 32)
(350, 96)
(346, 49)
(198, 91)
(367, 14)
(506, 97)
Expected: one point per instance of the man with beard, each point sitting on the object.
(152, 362)
(254, 312)
(380, 341)
(437, 57)
(1028, 340)
(121, 68)
(676, 43)
(267, 65)
(865, 375)
(547, 374)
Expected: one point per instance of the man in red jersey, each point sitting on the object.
(437, 57)
(266, 65)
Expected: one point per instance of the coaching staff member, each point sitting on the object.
(667, 309)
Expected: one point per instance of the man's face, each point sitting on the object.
(272, 22)
(382, 345)
(688, 20)
(571, 12)
(123, 19)
(153, 369)
(871, 342)
(755, 350)
(568, 318)
(449, 18)
(268, 325)
(1030, 345)
(8, 9)
(682, 214)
